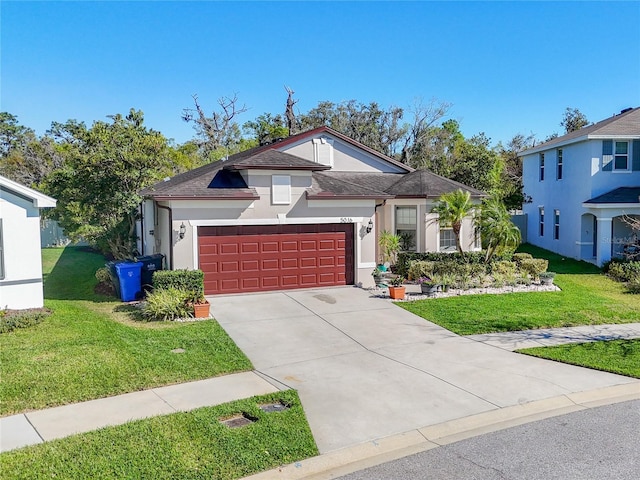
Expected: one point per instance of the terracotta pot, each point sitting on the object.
(397, 293)
(201, 310)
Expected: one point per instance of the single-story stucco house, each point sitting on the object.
(20, 259)
(305, 211)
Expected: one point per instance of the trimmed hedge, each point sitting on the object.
(474, 258)
(534, 266)
(187, 280)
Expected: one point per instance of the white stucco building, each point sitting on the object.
(582, 185)
(20, 258)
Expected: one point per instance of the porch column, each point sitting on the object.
(605, 234)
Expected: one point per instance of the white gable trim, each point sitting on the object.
(40, 200)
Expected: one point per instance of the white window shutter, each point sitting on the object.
(323, 151)
(281, 189)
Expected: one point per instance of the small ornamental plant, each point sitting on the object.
(397, 281)
(426, 281)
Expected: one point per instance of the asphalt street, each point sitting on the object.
(599, 443)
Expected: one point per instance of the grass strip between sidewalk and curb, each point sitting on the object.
(587, 297)
(181, 445)
(615, 356)
(90, 348)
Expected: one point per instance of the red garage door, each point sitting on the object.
(275, 257)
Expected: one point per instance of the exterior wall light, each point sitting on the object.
(183, 230)
(370, 226)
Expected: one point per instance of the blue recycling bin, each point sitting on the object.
(130, 278)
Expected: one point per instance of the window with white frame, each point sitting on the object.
(447, 240)
(559, 165)
(477, 238)
(556, 224)
(541, 221)
(621, 156)
(281, 189)
(406, 223)
(541, 167)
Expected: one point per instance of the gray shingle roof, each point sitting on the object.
(274, 160)
(424, 183)
(327, 185)
(619, 195)
(626, 123)
(221, 179)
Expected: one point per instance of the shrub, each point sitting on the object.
(623, 271)
(504, 267)
(103, 276)
(186, 280)
(534, 266)
(421, 268)
(634, 286)
(12, 319)
(520, 256)
(167, 304)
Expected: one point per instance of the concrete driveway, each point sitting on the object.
(366, 369)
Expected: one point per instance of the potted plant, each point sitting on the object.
(389, 247)
(396, 288)
(428, 286)
(201, 307)
(546, 278)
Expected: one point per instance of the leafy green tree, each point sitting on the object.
(573, 119)
(497, 230)
(452, 208)
(368, 124)
(512, 189)
(105, 166)
(266, 128)
(25, 157)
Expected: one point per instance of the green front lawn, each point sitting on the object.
(182, 445)
(615, 356)
(90, 348)
(587, 298)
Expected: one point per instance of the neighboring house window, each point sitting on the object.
(541, 221)
(556, 224)
(541, 167)
(477, 239)
(281, 189)
(1, 253)
(621, 157)
(559, 168)
(406, 227)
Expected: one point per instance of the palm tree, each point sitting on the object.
(452, 208)
(496, 228)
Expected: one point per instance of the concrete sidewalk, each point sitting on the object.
(42, 425)
(546, 337)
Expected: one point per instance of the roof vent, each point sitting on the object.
(625, 110)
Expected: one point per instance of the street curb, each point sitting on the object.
(351, 459)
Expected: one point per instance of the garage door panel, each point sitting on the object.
(289, 263)
(256, 258)
(308, 262)
(270, 264)
(229, 248)
(250, 266)
(250, 247)
(270, 247)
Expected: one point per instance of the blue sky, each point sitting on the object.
(507, 67)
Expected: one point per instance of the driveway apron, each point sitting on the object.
(366, 369)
